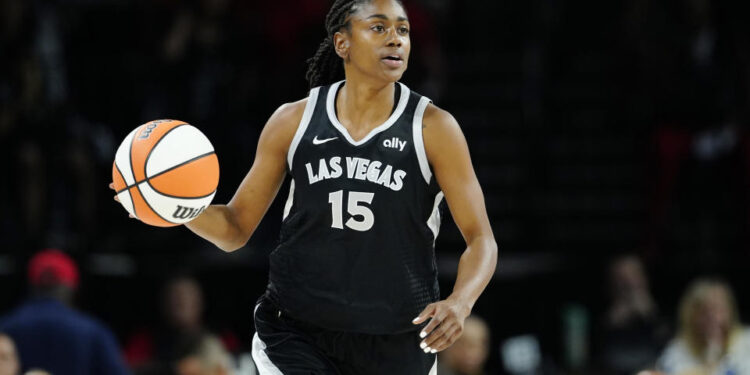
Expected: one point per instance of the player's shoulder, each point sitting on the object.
(441, 132)
(438, 121)
(289, 114)
(283, 123)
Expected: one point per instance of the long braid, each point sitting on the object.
(325, 67)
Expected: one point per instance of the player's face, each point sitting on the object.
(379, 43)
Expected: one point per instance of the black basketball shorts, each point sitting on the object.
(283, 345)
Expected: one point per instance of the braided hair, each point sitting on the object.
(325, 67)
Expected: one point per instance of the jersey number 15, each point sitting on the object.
(355, 207)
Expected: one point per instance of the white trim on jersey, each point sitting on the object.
(433, 370)
(330, 108)
(289, 201)
(417, 127)
(433, 222)
(262, 362)
(312, 101)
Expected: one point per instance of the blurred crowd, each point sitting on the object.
(47, 334)
(77, 75)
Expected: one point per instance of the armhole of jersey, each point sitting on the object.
(433, 370)
(312, 101)
(289, 201)
(435, 219)
(260, 357)
(417, 127)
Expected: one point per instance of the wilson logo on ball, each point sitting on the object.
(187, 212)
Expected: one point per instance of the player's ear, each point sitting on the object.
(341, 44)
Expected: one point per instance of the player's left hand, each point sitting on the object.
(445, 327)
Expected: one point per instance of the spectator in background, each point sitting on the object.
(710, 339)
(632, 332)
(203, 355)
(151, 352)
(8, 356)
(468, 355)
(49, 334)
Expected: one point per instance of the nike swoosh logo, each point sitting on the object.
(317, 141)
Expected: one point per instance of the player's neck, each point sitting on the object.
(363, 106)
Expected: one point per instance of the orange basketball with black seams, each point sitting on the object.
(165, 173)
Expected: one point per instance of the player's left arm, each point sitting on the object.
(448, 154)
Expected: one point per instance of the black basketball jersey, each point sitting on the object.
(356, 250)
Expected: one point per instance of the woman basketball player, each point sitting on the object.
(354, 278)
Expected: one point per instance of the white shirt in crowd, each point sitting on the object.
(677, 358)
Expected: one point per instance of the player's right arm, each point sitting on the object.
(230, 226)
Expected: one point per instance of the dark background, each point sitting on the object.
(596, 128)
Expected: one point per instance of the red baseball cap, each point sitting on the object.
(51, 267)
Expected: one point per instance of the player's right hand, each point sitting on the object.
(112, 186)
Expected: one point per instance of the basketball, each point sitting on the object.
(165, 173)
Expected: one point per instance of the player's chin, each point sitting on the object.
(394, 75)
